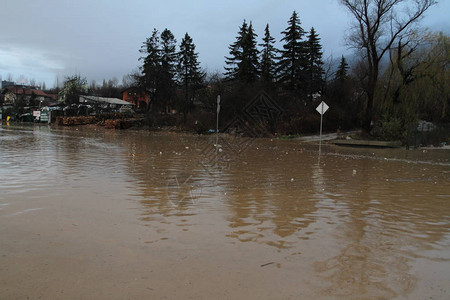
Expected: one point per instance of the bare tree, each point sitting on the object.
(131, 79)
(22, 80)
(379, 25)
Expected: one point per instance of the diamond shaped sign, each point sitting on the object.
(322, 108)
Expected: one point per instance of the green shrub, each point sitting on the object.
(388, 129)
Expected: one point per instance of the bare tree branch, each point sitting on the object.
(379, 25)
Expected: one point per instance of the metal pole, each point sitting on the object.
(217, 122)
(320, 136)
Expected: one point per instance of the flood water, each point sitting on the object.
(88, 213)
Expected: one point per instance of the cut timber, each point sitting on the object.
(366, 143)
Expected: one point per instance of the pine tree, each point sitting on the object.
(314, 68)
(243, 60)
(293, 60)
(268, 56)
(189, 74)
(341, 73)
(248, 71)
(168, 67)
(340, 89)
(151, 66)
(159, 67)
(235, 53)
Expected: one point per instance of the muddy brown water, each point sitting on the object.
(92, 214)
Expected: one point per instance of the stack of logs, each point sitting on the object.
(69, 121)
(110, 122)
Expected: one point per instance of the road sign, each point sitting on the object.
(218, 104)
(322, 108)
(217, 122)
(44, 117)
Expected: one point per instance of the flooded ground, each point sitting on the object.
(92, 214)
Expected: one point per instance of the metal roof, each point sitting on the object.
(104, 100)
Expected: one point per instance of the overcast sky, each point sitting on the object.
(100, 39)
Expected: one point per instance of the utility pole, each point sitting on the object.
(217, 122)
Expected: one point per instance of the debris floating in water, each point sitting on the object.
(263, 265)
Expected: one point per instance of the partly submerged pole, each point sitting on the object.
(217, 121)
(320, 136)
(321, 109)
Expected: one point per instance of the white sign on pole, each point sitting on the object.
(322, 108)
(218, 104)
(217, 122)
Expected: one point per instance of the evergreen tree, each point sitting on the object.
(268, 56)
(249, 66)
(159, 67)
(243, 62)
(151, 66)
(168, 67)
(314, 68)
(293, 60)
(341, 73)
(341, 88)
(235, 53)
(189, 73)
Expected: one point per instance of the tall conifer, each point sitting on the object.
(268, 57)
(242, 64)
(249, 66)
(236, 54)
(341, 73)
(168, 67)
(314, 68)
(151, 65)
(189, 74)
(293, 60)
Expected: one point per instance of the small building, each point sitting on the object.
(112, 103)
(20, 95)
(7, 83)
(138, 96)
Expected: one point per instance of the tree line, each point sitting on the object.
(297, 68)
(173, 78)
(398, 75)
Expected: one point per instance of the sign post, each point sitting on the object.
(217, 122)
(322, 108)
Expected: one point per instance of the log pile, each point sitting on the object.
(109, 121)
(70, 121)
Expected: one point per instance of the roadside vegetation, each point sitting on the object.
(398, 76)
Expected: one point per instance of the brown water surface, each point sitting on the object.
(92, 214)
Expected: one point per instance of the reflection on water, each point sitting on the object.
(355, 222)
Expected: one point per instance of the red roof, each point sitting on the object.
(20, 90)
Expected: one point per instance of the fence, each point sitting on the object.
(427, 134)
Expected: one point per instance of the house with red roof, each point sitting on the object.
(19, 95)
(136, 96)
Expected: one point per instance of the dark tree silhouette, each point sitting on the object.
(379, 24)
(293, 60)
(268, 57)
